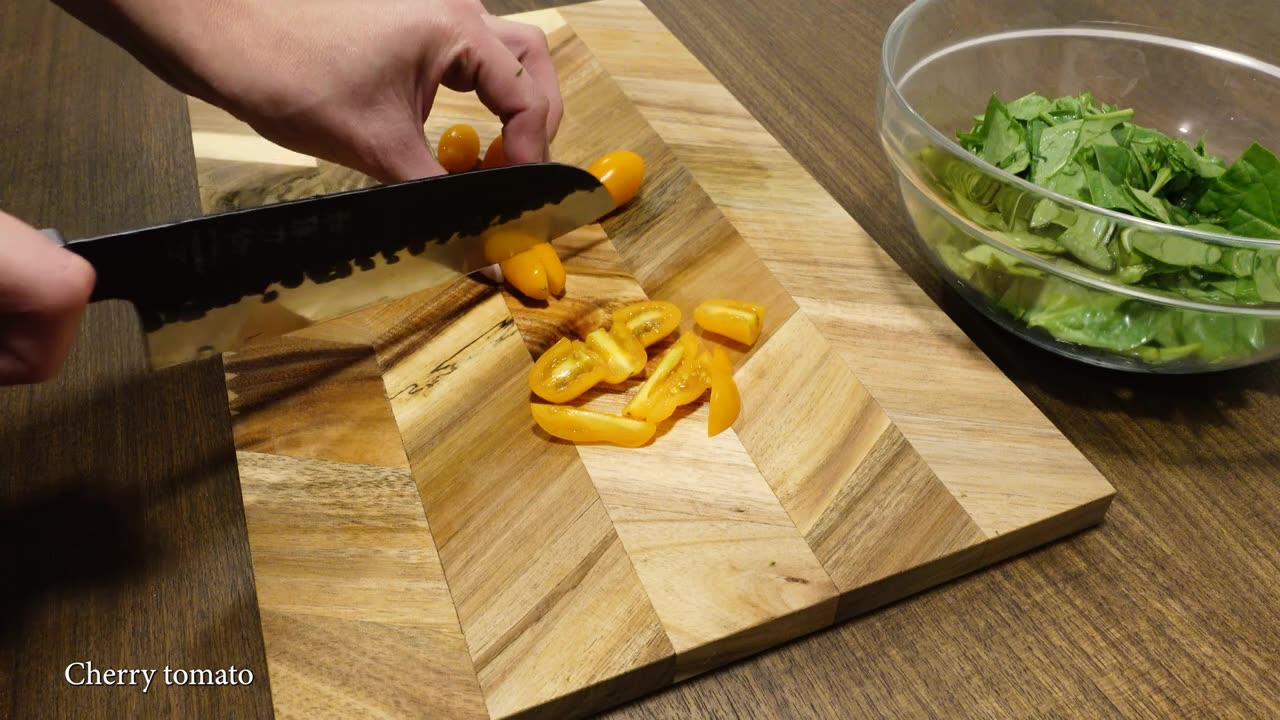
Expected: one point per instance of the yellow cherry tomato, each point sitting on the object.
(501, 245)
(565, 371)
(734, 319)
(649, 321)
(726, 403)
(622, 353)
(584, 426)
(494, 157)
(526, 273)
(621, 172)
(650, 392)
(458, 149)
(551, 263)
(686, 383)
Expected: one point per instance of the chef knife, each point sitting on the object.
(212, 284)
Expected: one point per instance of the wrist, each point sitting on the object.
(178, 40)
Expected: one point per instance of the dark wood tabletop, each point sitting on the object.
(123, 534)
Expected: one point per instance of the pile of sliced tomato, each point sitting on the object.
(569, 368)
(683, 374)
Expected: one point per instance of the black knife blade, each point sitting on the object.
(209, 284)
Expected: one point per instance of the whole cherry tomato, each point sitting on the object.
(494, 156)
(459, 148)
(621, 172)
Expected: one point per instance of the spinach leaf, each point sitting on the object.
(1147, 204)
(1028, 107)
(1097, 319)
(1006, 140)
(1057, 147)
(1087, 241)
(1173, 249)
(1103, 192)
(1093, 152)
(1192, 161)
(1070, 181)
(1247, 195)
(1266, 276)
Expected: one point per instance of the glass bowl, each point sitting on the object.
(944, 59)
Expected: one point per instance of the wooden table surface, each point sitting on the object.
(136, 555)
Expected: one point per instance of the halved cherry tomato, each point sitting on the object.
(555, 268)
(527, 273)
(504, 244)
(650, 392)
(649, 321)
(726, 403)
(493, 156)
(734, 319)
(687, 383)
(565, 371)
(621, 172)
(584, 426)
(458, 149)
(621, 352)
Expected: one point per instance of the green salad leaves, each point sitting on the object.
(1093, 152)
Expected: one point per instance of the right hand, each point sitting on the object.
(346, 80)
(43, 292)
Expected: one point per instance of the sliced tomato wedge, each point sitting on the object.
(726, 403)
(565, 371)
(649, 321)
(686, 383)
(734, 319)
(585, 426)
(622, 353)
(552, 265)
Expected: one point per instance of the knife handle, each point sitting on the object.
(55, 236)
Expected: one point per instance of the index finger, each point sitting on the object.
(508, 91)
(529, 44)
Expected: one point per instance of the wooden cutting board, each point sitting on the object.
(421, 549)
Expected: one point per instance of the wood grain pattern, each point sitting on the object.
(865, 500)
(583, 576)
(1166, 610)
(1129, 620)
(121, 519)
(553, 613)
(1003, 460)
(357, 617)
(301, 397)
(727, 571)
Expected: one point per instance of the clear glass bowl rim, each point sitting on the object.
(891, 42)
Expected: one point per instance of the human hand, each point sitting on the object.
(43, 292)
(345, 80)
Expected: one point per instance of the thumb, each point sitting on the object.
(43, 291)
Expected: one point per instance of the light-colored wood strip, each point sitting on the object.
(867, 503)
(356, 615)
(313, 399)
(547, 598)
(246, 148)
(726, 569)
(950, 402)
(997, 453)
